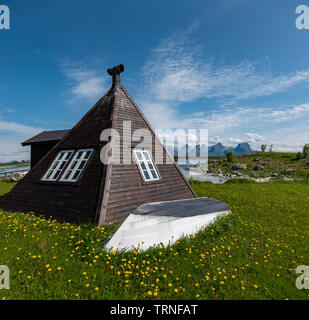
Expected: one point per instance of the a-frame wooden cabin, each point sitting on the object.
(72, 184)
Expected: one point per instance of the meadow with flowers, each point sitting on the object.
(250, 254)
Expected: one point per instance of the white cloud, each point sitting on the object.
(11, 136)
(290, 113)
(227, 123)
(10, 150)
(227, 141)
(254, 137)
(214, 140)
(178, 71)
(89, 87)
(289, 139)
(84, 82)
(283, 140)
(18, 128)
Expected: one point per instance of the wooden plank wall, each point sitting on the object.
(128, 190)
(80, 201)
(70, 202)
(39, 150)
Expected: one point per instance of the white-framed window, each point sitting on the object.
(77, 165)
(55, 170)
(146, 165)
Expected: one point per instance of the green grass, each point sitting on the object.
(5, 187)
(250, 254)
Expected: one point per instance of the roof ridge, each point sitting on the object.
(101, 210)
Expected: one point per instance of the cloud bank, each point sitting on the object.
(179, 73)
(84, 82)
(11, 136)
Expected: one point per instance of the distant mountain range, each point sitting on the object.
(216, 150)
(220, 150)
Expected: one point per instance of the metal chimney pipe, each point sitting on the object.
(115, 73)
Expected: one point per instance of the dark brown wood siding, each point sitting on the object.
(128, 190)
(87, 200)
(39, 151)
(71, 202)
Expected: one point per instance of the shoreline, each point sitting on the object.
(14, 165)
(234, 176)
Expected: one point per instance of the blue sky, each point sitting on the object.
(239, 68)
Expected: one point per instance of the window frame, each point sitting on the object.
(146, 165)
(57, 168)
(77, 166)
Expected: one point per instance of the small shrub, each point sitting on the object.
(306, 150)
(230, 156)
(240, 181)
(263, 147)
(299, 155)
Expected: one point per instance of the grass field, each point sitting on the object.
(250, 254)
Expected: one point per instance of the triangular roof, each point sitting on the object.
(103, 193)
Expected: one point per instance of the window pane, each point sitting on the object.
(81, 166)
(73, 165)
(68, 156)
(78, 155)
(146, 165)
(62, 165)
(75, 176)
(67, 174)
(87, 154)
(57, 174)
(78, 164)
(61, 155)
(146, 175)
(146, 156)
(154, 174)
(55, 165)
(56, 168)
